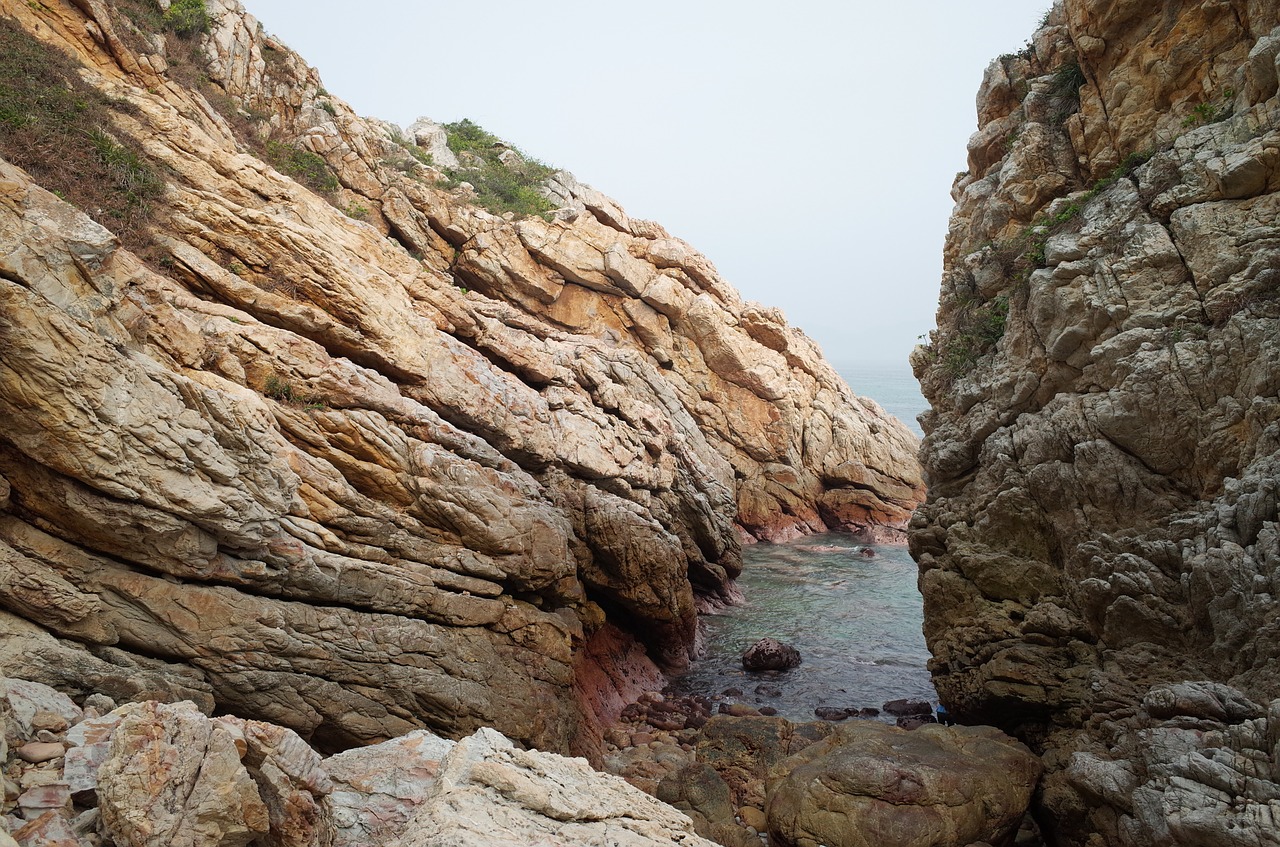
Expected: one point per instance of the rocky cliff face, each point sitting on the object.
(1098, 554)
(364, 456)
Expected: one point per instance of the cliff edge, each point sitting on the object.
(297, 429)
(1098, 553)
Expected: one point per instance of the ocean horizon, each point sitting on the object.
(891, 385)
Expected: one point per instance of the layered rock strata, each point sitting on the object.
(369, 458)
(1098, 552)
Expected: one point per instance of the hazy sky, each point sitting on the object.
(808, 148)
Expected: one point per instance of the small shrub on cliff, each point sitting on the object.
(303, 165)
(977, 329)
(1209, 113)
(282, 391)
(187, 18)
(1064, 91)
(505, 180)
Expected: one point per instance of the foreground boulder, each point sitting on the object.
(872, 785)
(489, 794)
(176, 778)
(166, 775)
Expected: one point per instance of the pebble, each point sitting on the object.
(52, 721)
(753, 817)
(39, 775)
(41, 751)
(55, 796)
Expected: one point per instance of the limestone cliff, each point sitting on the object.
(363, 456)
(1098, 553)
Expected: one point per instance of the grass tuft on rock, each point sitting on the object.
(58, 129)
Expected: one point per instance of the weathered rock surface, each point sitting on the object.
(1098, 552)
(361, 473)
(489, 794)
(166, 774)
(873, 785)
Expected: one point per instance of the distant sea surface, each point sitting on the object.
(893, 387)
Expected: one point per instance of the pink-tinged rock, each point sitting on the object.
(49, 830)
(378, 788)
(173, 778)
(291, 782)
(36, 752)
(31, 698)
(35, 801)
(90, 740)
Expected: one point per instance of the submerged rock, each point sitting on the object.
(770, 654)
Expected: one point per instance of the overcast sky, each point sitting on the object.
(807, 149)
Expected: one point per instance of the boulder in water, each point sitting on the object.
(905, 708)
(770, 654)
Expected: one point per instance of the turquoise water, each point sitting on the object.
(855, 620)
(893, 387)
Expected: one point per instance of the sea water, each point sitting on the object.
(856, 620)
(892, 386)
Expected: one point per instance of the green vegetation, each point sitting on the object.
(187, 18)
(1028, 50)
(1024, 253)
(282, 391)
(978, 328)
(413, 150)
(57, 128)
(303, 165)
(356, 210)
(1064, 92)
(1211, 113)
(510, 183)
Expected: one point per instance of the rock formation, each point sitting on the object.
(1098, 553)
(165, 775)
(362, 457)
(872, 785)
